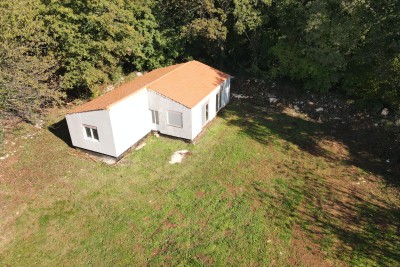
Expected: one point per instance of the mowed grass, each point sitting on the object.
(234, 201)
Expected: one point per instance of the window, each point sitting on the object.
(91, 132)
(154, 116)
(218, 101)
(207, 112)
(175, 118)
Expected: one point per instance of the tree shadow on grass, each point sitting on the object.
(368, 148)
(60, 129)
(355, 224)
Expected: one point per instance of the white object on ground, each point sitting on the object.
(239, 96)
(140, 146)
(273, 100)
(3, 158)
(178, 156)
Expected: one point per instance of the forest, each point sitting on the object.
(54, 51)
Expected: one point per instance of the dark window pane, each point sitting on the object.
(156, 117)
(88, 132)
(95, 134)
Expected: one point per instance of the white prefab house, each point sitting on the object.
(178, 100)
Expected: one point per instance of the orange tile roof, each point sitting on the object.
(189, 84)
(186, 83)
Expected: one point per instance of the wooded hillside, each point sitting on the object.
(53, 49)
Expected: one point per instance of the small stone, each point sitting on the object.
(397, 123)
(273, 100)
(4, 157)
(139, 74)
(376, 124)
(319, 109)
(39, 124)
(296, 108)
(311, 103)
(109, 88)
(239, 96)
(140, 146)
(157, 135)
(385, 112)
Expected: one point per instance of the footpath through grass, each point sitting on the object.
(248, 195)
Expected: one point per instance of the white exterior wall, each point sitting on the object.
(130, 120)
(198, 112)
(162, 105)
(99, 119)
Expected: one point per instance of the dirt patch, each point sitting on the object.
(200, 194)
(205, 260)
(307, 253)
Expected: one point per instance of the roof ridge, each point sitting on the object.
(166, 74)
(147, 84)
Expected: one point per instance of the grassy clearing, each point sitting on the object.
(237, 200)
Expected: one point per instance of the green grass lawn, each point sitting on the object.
(235, 201)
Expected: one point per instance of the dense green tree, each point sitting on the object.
(251, 38)
(27, 64)
(348, 45)
(373, 72)
(98, 39)
(198, 28)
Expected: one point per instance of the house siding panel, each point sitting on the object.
(100, 120)
(198, 112)
(163, 105)
(130, 121)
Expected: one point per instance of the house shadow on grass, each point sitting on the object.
(343, 212)
(60, 129)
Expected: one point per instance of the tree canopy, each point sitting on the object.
(50, 49)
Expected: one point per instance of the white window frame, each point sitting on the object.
(155, 116)
(168, 119)
(93, 132)
(206, 112)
